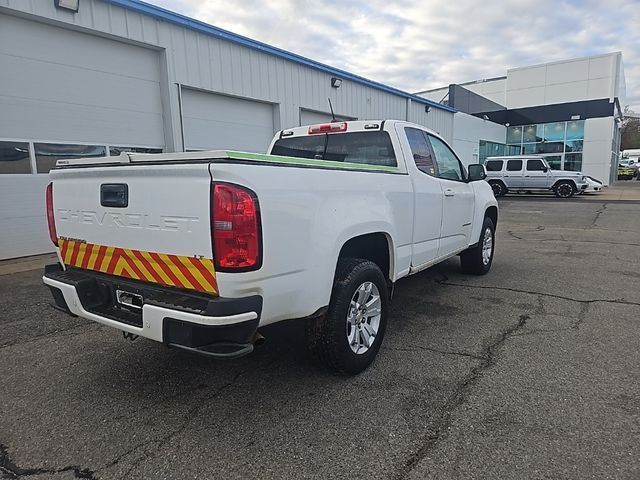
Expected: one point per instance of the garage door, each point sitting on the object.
(59, 84)
(313, 117)
(62, 93)
(213, 121)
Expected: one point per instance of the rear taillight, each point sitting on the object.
(235, 228)
(51, 221)
(328, 128)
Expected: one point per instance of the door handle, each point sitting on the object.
(448, 192)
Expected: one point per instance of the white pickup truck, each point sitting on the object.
(198, 250)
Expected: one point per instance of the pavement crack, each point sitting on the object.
(56, 333)
(413, 348)
(186, 420)
(459, 396)
(584, 310)
(599, 213)
(619, 301)
(14, 472)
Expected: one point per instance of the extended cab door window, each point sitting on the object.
(449, 166)
(420, 150)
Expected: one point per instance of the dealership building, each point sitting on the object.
(96, 77)
(569, 112)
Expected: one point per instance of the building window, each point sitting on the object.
(514, 135)
(554, 132)
(575, 130)
(493, 149)
(48, 153)
(573, 162)
(532, 133)
(14, 157)
(560, 142)
(554, 161)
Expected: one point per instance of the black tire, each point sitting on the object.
(499, 190)
(327, 335)
(472, 260)
(564, 189)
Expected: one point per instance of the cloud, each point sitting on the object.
(420, 44)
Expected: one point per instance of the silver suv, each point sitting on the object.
(520, 173)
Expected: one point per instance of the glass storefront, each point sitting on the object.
(493, 149)
(560, 142)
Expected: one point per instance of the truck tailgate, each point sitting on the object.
(145, 222)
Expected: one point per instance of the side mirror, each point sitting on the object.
(545, 169)
(477, 172)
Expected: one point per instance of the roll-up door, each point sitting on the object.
(213, 121)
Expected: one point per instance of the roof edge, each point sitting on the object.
(187, 22)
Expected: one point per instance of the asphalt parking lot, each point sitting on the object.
(532, 371)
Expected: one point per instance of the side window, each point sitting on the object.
(494, 165)
(514, 165)
(420, 150)
(449, 166)
(535, 165)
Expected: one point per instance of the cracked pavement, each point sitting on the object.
(532, 371)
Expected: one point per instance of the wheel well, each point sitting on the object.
(496, 181)
(555, 185)
(371, 246)
(492, 213)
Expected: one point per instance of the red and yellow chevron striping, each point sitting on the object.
(170, 270)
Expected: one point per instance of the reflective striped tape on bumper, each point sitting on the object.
(170, 270)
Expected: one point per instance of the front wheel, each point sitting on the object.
(565, 190)
(499, 190)
(478, 260)
(348, 337)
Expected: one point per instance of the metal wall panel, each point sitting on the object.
(310, 117)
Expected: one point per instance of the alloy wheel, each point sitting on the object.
(363, 317)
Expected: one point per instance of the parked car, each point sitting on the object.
(523, 173)
(593, 185)
(625, 172)
(198, 250)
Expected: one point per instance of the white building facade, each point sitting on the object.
(568, 111)
(123, 74)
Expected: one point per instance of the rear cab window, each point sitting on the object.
(494, 165)
(514, 165)
(369, 148)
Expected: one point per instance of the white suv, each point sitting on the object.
(531, 173)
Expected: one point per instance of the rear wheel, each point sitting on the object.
(348, 337)
(499, 190)
(478, 260)
(564, 190)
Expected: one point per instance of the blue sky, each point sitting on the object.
(420, 44)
